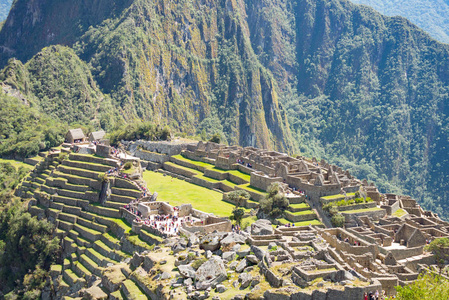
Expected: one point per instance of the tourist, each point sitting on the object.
(365, 296)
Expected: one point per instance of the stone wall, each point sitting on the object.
(151, 156)
(103, 150)
(262, 181)
(181, 171)
(356, 206)
(162, 147)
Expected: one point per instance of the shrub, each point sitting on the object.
(238, 197)
(275, 203)
(197, 263)
(333, 211)
(338, 220)
(359, 200)
(128, 165)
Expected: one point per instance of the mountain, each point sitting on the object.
(430, 15)
(4, 9)
(326, 78)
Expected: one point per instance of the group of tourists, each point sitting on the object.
(374, 295)
(239, 161)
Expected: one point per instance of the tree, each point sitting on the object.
(427, 287)
(237, 214)
(216, 138)
(440, 248)
(338, 220)
(275, 203)
(238, 197)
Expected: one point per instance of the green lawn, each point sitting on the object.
(177, 192)
(16, 163)
(300, 205)
(195, 162)
(334, 197)
(303, 223)
(399, 213)
(252, 189)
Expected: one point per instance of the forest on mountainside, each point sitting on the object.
(323, 78)
(430, 15)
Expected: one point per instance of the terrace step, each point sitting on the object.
(98, 258)
(87, 233)
(91, 265)
(92, 225)
(79, 172)
(80, 269)
(121, 199)
(66, 226)
(104, 211)
(131, 291)
(67, 217)
(112, 204)
(110, 241)
(134, 193)
(70, 277)
(105, 250)
(86, 165)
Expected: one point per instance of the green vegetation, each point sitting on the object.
(140, 130)
(10, 177)
(195, 162)
(338, 220)
(27, 250)
(178, 192)
(239, 197)
(399, 213)
(439, 247)
(292, 78)
(427, 287)
(430, 15)
(303, 223)
(275, 203)
(24, 131)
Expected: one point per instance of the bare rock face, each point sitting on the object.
(210, 273)
(262, 227)
(211, 241)
(233, 238)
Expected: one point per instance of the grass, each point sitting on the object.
(207, 178)
(137, 241)
(334, 197)
(240, 174)
(399, 213)
(248, 187)
(16, 163)
(134, 291)
(304, 212)
(195, 162)
(300, 205)
(177, 192)
(303, 223)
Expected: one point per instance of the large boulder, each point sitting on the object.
(233, 238)
(210, 273)
(262, 227)
(211, 241)
(186, 271)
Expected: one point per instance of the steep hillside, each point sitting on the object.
(325, 77)
(431, 15)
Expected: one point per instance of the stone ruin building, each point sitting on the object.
(381, 245)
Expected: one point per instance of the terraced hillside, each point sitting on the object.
(69, 190)
(208, 175)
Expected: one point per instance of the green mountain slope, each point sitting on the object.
(323, 77)
(430, 15)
